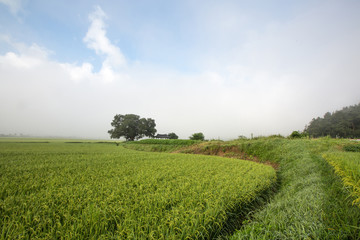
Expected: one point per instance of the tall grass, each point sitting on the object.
(310, 203)
(347, 166)
(101, 191)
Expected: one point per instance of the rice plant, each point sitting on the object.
(102, 191)
(347, 166)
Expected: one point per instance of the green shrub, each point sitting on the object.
(352, 148)
(197, 136)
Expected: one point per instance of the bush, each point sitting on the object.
(296, 134)
(352, 148)
(173, 136)
(197, 136)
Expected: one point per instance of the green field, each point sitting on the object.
(311, 202)
(76, 189)
(103, 191)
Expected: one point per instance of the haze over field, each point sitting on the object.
(224, 68)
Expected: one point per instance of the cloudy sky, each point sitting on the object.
(224, 68)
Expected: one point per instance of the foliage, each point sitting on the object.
(100, 191)
(352, 148)
(296, 134)
(276, 136)
(347, 166)
(147, 127)
(173, 136)
(344, 124)
(197, 136)
(132, 127)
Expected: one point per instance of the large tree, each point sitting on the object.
(132, 127)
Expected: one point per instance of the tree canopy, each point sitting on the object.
(173, 136)
(344, 123)
(132, 127)
(197, 136)
(296, 134)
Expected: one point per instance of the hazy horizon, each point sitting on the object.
(226, 68)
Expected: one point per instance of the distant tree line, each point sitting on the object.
(10, 135)
(344, 124)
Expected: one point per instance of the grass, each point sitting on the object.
(352, 147)
(159, 145)
(310, 203)
(102, 191)
(182, 142)
(314, 198)
(347, 166)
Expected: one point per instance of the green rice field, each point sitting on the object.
(87, 190)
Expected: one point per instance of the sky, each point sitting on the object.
(223, 68)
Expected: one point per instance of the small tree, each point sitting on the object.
(173, 136)
(197, 136)
(296, 134)
(132, 127)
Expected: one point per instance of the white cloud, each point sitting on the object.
(44, 97)
(273, 81)
(113, 64)
(29, 57)
(97, 40)
(79, 73)
(14, 5)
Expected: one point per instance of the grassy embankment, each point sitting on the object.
(347, 166)
(311, 202)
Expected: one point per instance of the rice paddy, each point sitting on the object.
(54, 190)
